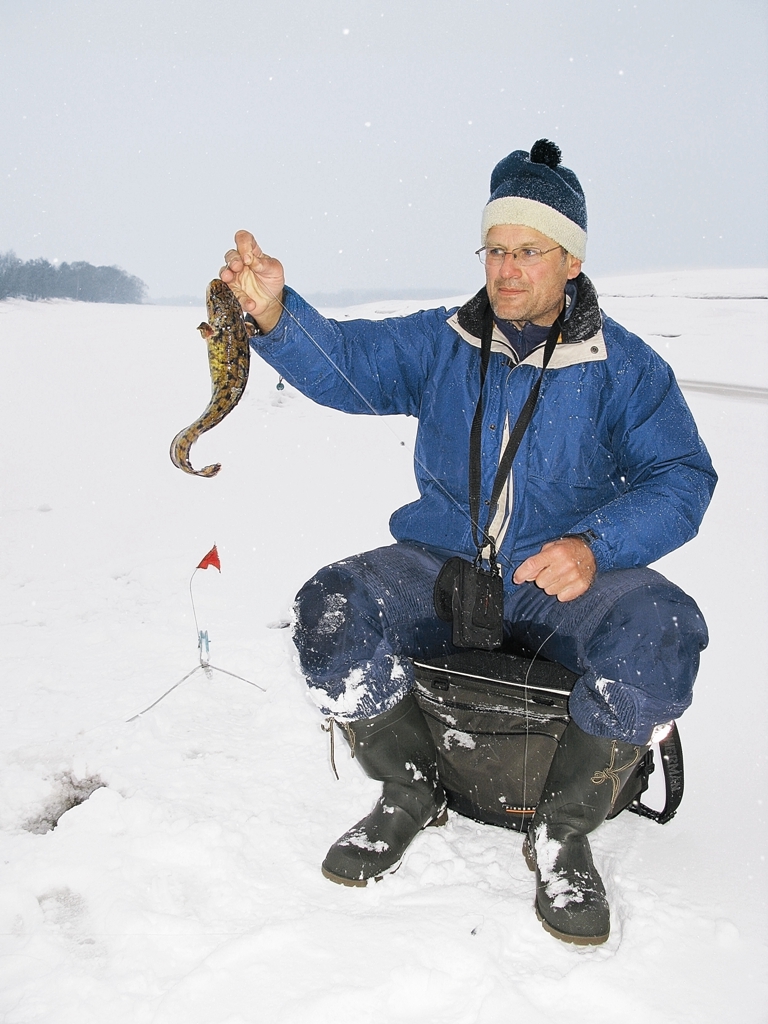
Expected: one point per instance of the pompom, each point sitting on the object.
(545, 152)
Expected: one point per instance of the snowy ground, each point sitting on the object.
(186, 889)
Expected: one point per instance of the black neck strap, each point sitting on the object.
(515, 437)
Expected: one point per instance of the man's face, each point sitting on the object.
(528, 294)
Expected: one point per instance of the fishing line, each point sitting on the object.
(447, 494)
(527, 713)
(381, 416)
(450, 497)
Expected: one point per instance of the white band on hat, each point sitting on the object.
(540, 217)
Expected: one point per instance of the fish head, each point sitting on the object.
(224, 310)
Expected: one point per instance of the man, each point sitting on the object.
(608, 475)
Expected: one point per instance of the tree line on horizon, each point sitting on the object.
(39, 279)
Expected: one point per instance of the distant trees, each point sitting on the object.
(39, 279)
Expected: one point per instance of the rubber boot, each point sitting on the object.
(585, 777)
(397, 749)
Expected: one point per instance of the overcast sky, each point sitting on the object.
(356, 138)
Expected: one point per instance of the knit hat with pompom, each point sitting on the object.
(534, 189)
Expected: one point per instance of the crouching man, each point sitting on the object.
(554, 448)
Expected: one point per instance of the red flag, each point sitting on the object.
(212, 558)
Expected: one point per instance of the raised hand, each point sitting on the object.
(256, 279)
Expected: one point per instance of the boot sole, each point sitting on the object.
(359, 883)
(576, 940)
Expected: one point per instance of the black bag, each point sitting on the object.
(496, 719)
(473, 599)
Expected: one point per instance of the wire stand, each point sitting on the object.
(203, 647)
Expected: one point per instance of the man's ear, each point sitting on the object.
(575, 268)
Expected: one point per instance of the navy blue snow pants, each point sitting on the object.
(633, 638)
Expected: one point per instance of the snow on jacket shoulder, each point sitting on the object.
(612, 447)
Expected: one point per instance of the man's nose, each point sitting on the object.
(510, 267)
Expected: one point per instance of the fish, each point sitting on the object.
(227, 336)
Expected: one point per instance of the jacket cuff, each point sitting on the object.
(597, 546)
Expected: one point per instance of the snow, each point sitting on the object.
(462, 739)
(186, 888)
(559, 887)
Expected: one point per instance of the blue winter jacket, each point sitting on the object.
(612, 447)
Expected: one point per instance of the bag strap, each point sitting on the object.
(515, 437)
(671, 750)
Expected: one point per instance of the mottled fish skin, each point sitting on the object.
(229, 356)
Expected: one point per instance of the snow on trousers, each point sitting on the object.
(633, 638)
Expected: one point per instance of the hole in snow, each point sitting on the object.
(68, 793)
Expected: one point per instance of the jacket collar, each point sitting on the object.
(582, 329)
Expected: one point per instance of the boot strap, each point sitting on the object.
(327, 726)
(612, 773)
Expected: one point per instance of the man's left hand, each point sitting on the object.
(563, 568)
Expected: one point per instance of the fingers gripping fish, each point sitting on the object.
(229, 354)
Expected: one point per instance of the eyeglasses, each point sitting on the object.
(524, 256)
